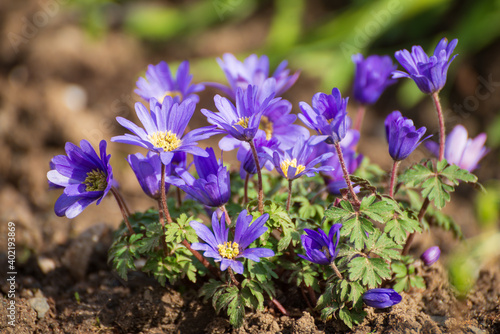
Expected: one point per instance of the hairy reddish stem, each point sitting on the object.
(394, 176)
(123, 208)
(346, 174)
(259, 177)
(442, 135)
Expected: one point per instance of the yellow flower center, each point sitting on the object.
(229, 250)
(95, 181)
(243, 121)
(267, 126)
(287, 163)
(172, 93)
(166, 140)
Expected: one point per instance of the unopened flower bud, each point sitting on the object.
(431, 255)
(381, 298)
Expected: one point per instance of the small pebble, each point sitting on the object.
(40, 305)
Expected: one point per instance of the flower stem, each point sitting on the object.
(123, 208)
(359, 117)
(289, 199)
(442, 138)
(394, 176)
(231, 274)
(259, 177)
(279, 306)
(226, 214)
(336, 270)
(245, 194)
(200, 258)
(421, 215)
(164, 196)
(346, 174)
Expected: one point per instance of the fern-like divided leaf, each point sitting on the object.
(437, 182)
(369, 271)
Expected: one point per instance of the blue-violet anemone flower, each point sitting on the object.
(381, 298)
(431, 255)
(148, 172)
(299, 160)
(85, 176)
(227, 252)
(402, 136)
(321, 248)
(328, 116)
(242, 121)
(253, 71)
(461, 150)
(164, 129)
(276, 122)
(159, 84)
(246, 158)
(429, 73)
(372, 76)
(212, 187)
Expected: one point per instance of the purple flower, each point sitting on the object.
(159, 83)
(85, 176)
(321, 248)
(460, 150)
(328, 115)
(371, 77)
(148, 172)
(402, 136)
(227, 252)
(253, 71)
(164, 128)
(431, 255)
(242, 121)
(299, 160)
(246, 158)
(429, 73)
(212, 187)
(381, 298)
(276, 122)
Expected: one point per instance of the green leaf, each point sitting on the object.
(181, 230)
(379, 211)
(122, 253)
(345, 316)
(357, 228)
(151, 240)
(236, 311)
(417, 282)
(399, 269)
(400, 225)
(436, 182)
(263, 271)
(370, 271)
(456, 174)
(209, 289)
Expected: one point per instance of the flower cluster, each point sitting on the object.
(255, 119)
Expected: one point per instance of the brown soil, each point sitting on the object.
(101, 302)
